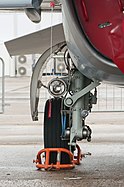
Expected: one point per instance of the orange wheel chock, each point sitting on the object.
(74, 160)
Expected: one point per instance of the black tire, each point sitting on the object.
(53, 130)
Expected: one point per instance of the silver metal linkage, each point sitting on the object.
(70, 101)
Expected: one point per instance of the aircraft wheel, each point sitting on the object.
(53, 129)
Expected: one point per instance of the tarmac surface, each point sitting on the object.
(21, 139)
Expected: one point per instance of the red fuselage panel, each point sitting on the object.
(103, 23)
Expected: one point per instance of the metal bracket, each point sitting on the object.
(74, 160)
(70, 101)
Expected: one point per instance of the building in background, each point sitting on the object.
(13, 25)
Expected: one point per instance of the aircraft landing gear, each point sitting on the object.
(65, 113)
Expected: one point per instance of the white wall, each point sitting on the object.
(13, 25)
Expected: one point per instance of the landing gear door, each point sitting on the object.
(36, 83)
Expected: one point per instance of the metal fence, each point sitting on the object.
(110, 99)
(2, 70)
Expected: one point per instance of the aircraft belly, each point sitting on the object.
(90, 63)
